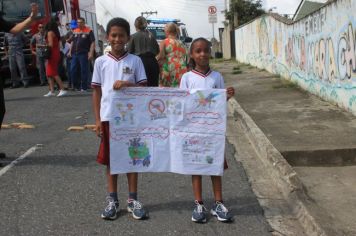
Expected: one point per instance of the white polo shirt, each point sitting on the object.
(108, 69)
(197, 80)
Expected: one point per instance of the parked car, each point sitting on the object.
(156, 26)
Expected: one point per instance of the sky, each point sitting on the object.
(194, 13)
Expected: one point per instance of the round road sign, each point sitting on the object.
(212, 10)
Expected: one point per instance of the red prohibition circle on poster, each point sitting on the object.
(156, 106)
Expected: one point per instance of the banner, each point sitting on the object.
(168, 130)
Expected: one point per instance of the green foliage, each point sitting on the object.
(245, 10)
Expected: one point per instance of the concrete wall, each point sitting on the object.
(317, 52)
(226, 42)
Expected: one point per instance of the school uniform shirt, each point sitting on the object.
(197, 80)
(108, 69)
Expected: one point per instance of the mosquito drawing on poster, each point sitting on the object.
(204, 101)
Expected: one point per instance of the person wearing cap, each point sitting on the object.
(81, 51)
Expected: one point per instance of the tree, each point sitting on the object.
(244, 11)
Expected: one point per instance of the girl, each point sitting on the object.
(53, 39)
(201, 77)
(114, 71)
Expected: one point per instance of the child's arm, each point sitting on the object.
(96, 107)
(230, 92)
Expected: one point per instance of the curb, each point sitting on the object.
(281, 172)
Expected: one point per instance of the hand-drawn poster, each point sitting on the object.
(168, 130)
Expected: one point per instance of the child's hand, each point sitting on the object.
(230, 92)
(119, 84)
(98, 130)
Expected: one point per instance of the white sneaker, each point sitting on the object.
(49, 94)
(62, 93)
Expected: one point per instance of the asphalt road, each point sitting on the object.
(59, 189)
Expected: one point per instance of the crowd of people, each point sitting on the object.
(133, 60)
(57, 55)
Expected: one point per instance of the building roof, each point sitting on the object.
(306, 7)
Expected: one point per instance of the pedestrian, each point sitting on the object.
(202, 77)
(67, 45)
(173, 56)
(14, 29)
(68, 59)
(14, 44)
(144, 44)
(53, 40)
(61, 69)
(38, 42)
(81, 51)
(116, 70)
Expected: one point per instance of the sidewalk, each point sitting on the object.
(317, 142)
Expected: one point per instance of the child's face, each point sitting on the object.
(117, 38)
(201, 53)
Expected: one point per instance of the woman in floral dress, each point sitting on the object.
(172, 57)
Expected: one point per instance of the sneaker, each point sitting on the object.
(111, 210)
(49, 94)
(199, 213)
(62, 93)
(221, 212)
(137, 210)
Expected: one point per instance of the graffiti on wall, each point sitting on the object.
(317, 52)
(321, 58)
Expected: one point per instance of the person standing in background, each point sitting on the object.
(14, 44)
(38, 42)
(53, 41)
(82, 51)
(144, 44)
(173, 57)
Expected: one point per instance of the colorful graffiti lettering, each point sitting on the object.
(318, 51)
(346, 53)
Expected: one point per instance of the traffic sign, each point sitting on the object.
(213, 19)
(212, 10)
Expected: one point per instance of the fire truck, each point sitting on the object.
(19, 10)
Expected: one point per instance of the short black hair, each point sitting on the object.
(119, 22)
(197, 40)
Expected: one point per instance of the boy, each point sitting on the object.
(113, 71)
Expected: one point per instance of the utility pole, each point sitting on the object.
(148, 13)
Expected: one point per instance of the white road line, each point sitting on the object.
(23, 156)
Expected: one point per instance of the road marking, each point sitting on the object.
(23, 156)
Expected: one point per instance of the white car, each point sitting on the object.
(156, 26)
